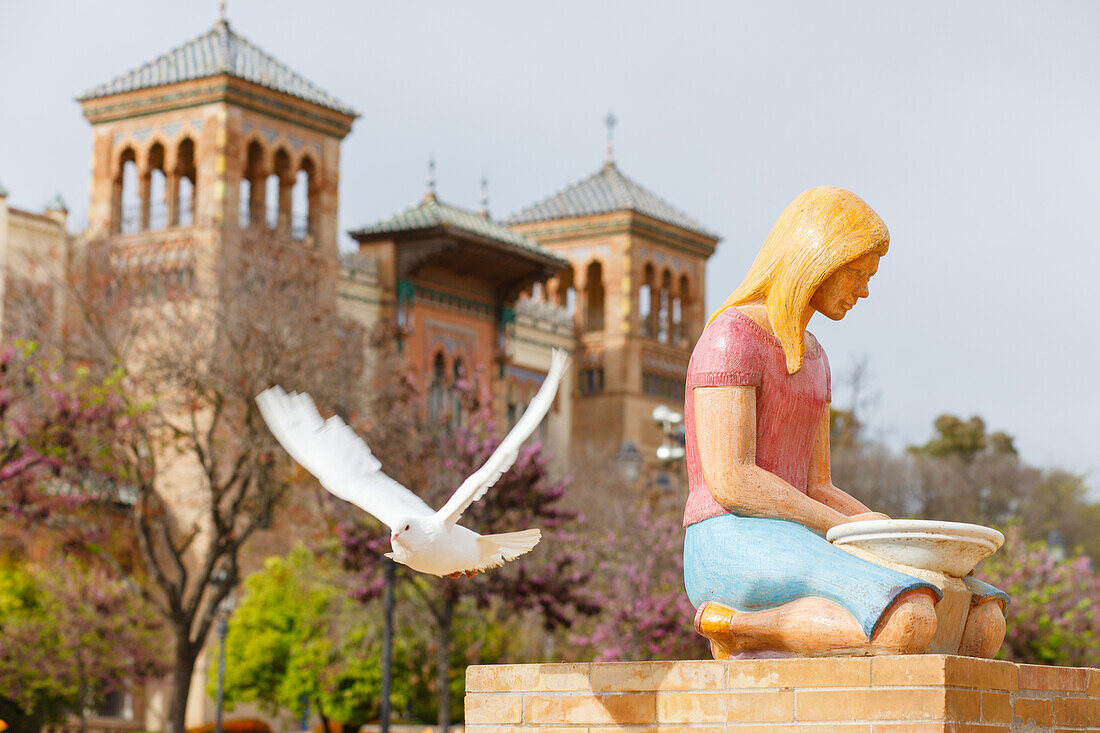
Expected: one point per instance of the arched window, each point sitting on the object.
(435, 389)
(677, 320)
(458, 384)
(594, 297)
(646, 310)
(186, 210)
(299, 206)
(183, 213)
(664, 308)
(271, 194)
(127, 209)
(244, 195)
(253, 188)
(155, 209)
(304, 203)
(683, 305)
(278, 216)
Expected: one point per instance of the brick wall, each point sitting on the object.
(895, 694)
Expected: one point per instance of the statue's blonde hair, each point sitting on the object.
(819, 232)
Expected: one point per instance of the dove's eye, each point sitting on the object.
(407, 527)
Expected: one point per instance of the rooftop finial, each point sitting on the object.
(484, 211)
(431, 178)
(57, 203)
(223, 13)
(610, 121)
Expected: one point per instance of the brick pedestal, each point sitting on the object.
(897, 694)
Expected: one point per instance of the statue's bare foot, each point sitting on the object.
(907, 626)
(984, 630)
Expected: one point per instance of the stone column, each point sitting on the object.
(286, 193)
(144, 183)
(115, 222)
(172, 198)
(257, 199)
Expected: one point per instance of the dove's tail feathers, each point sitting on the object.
(497, 549)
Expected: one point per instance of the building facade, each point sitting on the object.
(636, 288)
(451, 281)
(36, 250)
(214, 151)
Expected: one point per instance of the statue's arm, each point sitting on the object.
(725, 430)
(819, 483)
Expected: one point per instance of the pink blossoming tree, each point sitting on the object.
(1054, 617)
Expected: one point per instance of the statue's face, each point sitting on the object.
(839, 293)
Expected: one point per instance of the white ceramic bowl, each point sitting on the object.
(953, 548)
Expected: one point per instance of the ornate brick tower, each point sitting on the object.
(205, 144)
(211, 156)
(636, 287)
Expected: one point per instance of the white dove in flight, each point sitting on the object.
(425, 540)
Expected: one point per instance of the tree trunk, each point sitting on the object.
(182, 671)
(321, 715)
(444, 662)
(18, 720)
(83, 700)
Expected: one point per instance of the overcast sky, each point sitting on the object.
(973, 129)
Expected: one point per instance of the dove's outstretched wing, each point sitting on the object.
(505, 455)
(339, 458)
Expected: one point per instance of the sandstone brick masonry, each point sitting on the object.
(896, 694)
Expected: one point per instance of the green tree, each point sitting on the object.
(1058, 502)
(966, 473)
(199, 464)
(35, 666)
(70, 634)
(964, 439)
(297, 638)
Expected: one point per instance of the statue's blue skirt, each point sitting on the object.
(754, 564)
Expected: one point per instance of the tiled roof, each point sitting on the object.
(219, 51)
(432, 213)
(603, 192)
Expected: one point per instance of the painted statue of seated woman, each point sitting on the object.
(757, 566)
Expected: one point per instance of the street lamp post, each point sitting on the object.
(387, 647)
(224, 609)
(629, 461)
(671, 451)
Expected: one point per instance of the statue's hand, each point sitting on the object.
(866, 517)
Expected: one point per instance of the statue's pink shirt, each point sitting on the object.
(735, 351)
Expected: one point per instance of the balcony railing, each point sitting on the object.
(130, 218)
(253, 216)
